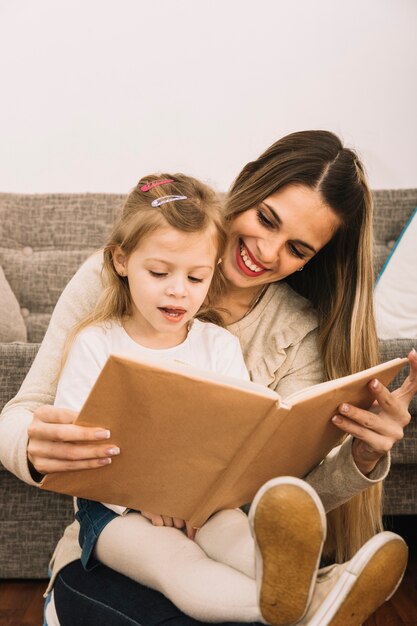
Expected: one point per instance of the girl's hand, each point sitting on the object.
(57, 445)
(377, 430)
(173, 522)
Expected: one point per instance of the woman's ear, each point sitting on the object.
(119, 261)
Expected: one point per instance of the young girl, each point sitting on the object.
(160, 270)
(160, 261)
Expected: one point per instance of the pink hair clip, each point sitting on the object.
(149, 186)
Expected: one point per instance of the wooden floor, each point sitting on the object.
(21, 602)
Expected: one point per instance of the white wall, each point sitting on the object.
(96, 93)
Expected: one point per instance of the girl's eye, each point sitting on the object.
(193, 279)
(157, 274)
(262, 219)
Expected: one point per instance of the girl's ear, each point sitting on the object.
(119, 261)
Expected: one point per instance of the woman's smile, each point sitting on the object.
(247, 262)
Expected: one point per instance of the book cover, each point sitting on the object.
(194, 442)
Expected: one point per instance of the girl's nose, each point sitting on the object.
(177, 288)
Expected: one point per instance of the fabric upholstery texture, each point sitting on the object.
(15, 361)
(43, 240)
(393, 209)
(12, 325)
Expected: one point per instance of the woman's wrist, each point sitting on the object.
(364, 457)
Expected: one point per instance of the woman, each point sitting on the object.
(300, 220)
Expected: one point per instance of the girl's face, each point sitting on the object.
(169, 274)
(276, 238)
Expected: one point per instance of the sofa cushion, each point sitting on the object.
(36, 325)
(396, 287)
(12, 325)
(43, 241)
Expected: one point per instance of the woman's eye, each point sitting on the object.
(193, 279)
(296, 252)
(157, 274)
(262, 218)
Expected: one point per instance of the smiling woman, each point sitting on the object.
(318, 190)
(270, 242)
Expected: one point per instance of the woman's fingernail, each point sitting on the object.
(337, 420)
(414, 353)
(374, 384)
(104, 461)
(345, 408)
(113, 451)
(102, 434)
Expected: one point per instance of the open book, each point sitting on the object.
(194, 442)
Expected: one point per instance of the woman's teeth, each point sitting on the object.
(247, 260)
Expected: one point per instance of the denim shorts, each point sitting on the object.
(93, 517)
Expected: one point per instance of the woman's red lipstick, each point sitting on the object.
(241, 264)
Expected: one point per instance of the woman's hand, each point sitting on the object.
(173, 522)
(377, 430)
(57, 445)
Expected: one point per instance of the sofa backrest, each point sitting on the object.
(45, 238)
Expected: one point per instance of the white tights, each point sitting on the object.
(211, 579)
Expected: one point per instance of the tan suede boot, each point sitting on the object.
(288, 524)
(346, 595)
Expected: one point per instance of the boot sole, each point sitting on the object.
(288, 522)
(371, 578)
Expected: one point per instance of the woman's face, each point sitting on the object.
(277, 237)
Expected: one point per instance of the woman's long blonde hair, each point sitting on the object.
(338, 281)
(199, 211)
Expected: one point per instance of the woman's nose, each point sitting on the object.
(270, 249)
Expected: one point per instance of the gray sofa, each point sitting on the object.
(43, 240)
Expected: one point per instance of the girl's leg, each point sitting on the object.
(226, 538)
(166, 560)
(289, 523)
(345, 594)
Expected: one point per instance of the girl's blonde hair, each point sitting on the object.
(338, 280)
(199, 211)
